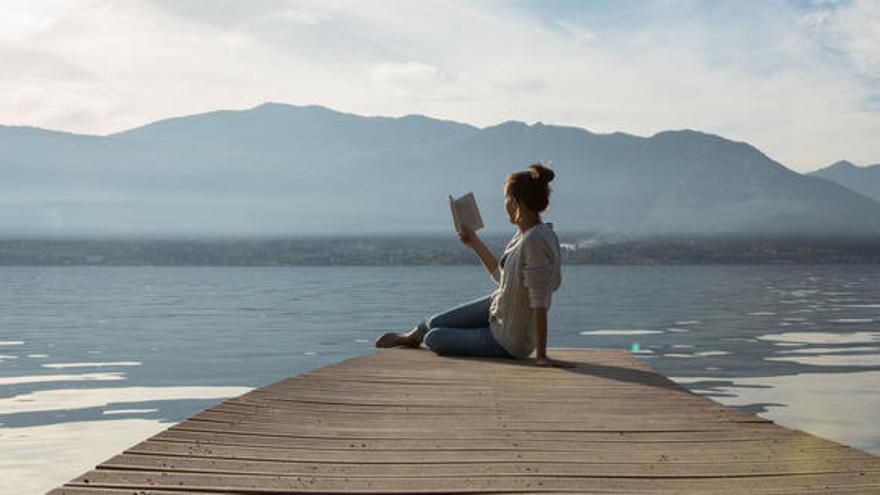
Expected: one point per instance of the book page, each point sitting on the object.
(454, 214)
(466, 212)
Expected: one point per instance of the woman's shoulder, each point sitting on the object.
(540, 239)
(540, 232)
(517, 237)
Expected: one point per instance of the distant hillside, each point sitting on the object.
(863, 180)
(286, 170)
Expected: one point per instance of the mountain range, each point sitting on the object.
(284, 170)
(863, 180)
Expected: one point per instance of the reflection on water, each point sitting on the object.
(83, 398)
(829, 350)
(832, 360)
(823, 337)
(94, 360)
(841, 408)
(10, 380)
(91, 365)
(618, 332)
(35, 459)
(128, 411)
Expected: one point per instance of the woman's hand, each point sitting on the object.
(468, 236)
(553, 363)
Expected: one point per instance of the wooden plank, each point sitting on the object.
(523, 409)
(483, 424)
(212, 426)
(584, 453)
(311, 483)
(484, 419)
(772, 491)
(599, 468)
(405, 420)
(92, 490)
(441, 441)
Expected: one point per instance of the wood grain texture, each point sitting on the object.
(408, 421)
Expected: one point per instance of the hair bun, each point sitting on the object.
(542, 173)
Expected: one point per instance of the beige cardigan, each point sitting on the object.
(530, 275)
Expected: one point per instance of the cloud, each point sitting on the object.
(852, 30)
(410, 76)
(22, 18)
(580, 33)
(798, 81)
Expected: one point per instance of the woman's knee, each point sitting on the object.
(467, 315)
(429, 321)
(422, 328)
(434, 340)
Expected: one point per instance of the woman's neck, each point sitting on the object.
(526, 223)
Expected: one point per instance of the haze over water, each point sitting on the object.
(96, 359)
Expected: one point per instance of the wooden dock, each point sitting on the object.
(403, 420)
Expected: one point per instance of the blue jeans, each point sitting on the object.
(462, 331)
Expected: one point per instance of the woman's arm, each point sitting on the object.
(486, 257)
(469, 237)
(541, 337)
(541, 358)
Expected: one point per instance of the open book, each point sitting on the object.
(465, 212)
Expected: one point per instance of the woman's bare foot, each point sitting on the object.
(393, 339)
(390, 339)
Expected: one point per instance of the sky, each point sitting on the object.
(800, 80)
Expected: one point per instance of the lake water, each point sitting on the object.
(96, 359)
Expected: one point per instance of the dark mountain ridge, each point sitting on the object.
(863, 180)
(281, 170)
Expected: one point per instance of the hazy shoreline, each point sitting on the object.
(414, 250)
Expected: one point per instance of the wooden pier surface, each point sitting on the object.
(403, 420)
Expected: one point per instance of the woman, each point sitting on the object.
(512, 321)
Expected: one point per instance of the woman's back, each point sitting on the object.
(530, 274)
